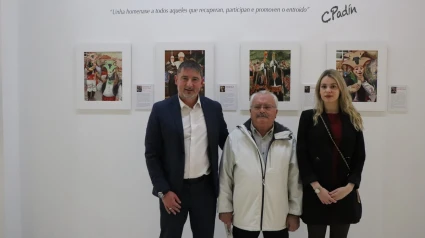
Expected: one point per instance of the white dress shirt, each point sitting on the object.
(195, 141)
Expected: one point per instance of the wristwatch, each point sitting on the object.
(317, 190)
(162, 194)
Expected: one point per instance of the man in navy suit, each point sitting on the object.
(182, 139)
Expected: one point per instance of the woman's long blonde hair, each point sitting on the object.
(344, 100)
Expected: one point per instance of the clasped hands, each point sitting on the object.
(327, 197)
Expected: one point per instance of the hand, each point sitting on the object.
(341, 192)
(354, 88)
(171, 203)
(292, 222)
(226, 218)
(325, 197)
(357, 86)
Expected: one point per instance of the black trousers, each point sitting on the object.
(199, 201)
(239, 233)
(336, 231)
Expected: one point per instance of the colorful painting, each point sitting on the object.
(173, 59)
(103, 76)
(359, 69)
(270, 70)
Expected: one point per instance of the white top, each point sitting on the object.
(243, 190)
(195, 140)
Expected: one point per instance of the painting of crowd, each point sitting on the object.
(103, 76)
(173, 59)
(270, 70)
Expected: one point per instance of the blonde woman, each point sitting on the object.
(331, 155)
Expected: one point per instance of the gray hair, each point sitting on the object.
(190, 64)
(263, 92)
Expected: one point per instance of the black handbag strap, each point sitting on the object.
(342, 156)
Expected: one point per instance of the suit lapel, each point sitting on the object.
(208, 115)
(177, 114)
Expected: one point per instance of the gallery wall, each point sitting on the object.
(1, 147)
(10, 171)
(1, 157)
(82, 173)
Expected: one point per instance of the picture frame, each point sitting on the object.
(103, 76)
(363, 66)
(166, 70)
(279, 74)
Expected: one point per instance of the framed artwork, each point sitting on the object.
(169, 56)
(103, 76)
(271, 66)
(363, 65)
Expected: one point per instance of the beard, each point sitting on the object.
(192, 95)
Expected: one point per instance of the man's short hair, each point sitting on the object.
(264, 92)
(190, 64)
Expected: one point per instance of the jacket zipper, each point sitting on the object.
(263, 174)
(264, 180)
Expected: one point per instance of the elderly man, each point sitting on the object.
(259, 178)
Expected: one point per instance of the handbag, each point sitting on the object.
(355, 200)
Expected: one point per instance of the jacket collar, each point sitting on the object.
(279, 132)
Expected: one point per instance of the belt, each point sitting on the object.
(195, 180)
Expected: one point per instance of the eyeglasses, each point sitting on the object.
(259, 106)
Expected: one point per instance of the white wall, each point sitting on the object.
(84, 174)
(2, 216)
(9, 20)
(1, 145)
(10, 171)
(403, 161)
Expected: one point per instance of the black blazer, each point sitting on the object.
(164, 143)
(314, 154)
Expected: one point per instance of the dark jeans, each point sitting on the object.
(239, 233)
(336, 231)
(199, 201)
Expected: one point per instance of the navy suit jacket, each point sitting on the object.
(164, 143)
